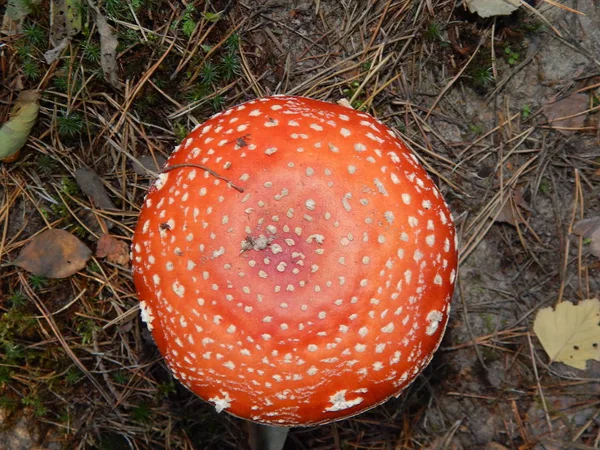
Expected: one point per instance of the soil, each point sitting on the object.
(483, 137)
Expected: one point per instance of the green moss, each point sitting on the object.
(70, 125)
(38, 282)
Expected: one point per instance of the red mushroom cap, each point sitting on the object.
(294, 262)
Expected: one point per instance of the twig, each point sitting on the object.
(198, 166)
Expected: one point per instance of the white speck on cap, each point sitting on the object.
(146, 315)
(433, 318)
(161, 181)
(338, 401)
(221, 403)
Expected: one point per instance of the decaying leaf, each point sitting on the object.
(16, 11)
(14, 133)
(571, 333)
(52, 55)
(589, 229)
(147, 162)
(565, 114)
(54, 254)
(508, 210)
(113, 249)
(92, 186)
(489, 8)
(108, 46)
(65, 20)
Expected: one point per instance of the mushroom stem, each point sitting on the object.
(264, 437)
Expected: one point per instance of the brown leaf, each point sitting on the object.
(508, 211)
(54, 254)
(113, 249)
(108, 46)
(146, 162)
(559, 113)
(589, 229)
(92, 186)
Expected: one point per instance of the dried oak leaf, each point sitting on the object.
(113, 249)
(589, 229)
(54, 254)
(570, 333)
(565, 114)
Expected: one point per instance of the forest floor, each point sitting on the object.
(479, 102)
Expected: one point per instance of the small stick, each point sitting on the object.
(212, 172)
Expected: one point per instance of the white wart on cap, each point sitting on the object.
(307, 275)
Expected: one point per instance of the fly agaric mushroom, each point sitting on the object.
(294, 262)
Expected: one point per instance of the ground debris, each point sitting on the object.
(508, 212)
(146, 163)
(15, 132)
(589, 229)
(567, 115)
(54, 254)
(113, 249)
(92, 186)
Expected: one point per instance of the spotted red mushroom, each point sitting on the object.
(294, 262)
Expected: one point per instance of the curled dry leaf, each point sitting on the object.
(108, 46)
(589, 229)
(570, 333)
(54, 254)
(565, 114)
(14, 133)
(92, 186)
(489, 8)
(113, 249)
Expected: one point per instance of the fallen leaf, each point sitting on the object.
(508, 210)
(589, 229)
(52, 55)
(54, 254)
(92, 186)
(212, 17)
(108, 46)
(65, 20)
(16, 11)
(559, 113)
(113, 249)
(571, 333)
(14, 133)
(146, 162)
(489, 8)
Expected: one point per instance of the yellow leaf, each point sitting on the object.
(14, 133)
(571, 333)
